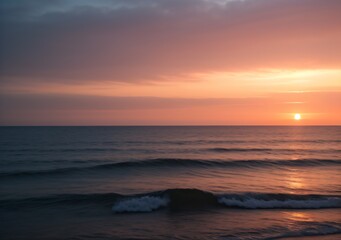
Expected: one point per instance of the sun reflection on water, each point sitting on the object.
(298, 216)
(295, 181)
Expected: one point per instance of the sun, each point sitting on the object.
(297, 116)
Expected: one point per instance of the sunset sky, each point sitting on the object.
(170, 62)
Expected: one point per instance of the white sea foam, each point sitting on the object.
(253, 203)
(140, 204)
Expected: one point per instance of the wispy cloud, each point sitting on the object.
(132, 41)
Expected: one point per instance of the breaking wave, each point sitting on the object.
(261, 201)
(140, 204)
(183, 199)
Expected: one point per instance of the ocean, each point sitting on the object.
(233, 182)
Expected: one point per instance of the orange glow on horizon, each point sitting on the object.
(257, 98)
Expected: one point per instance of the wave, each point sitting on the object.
(183, 199)
(302, 229)
(174, 142)
(306, 229)
(140, 204)
(221, 149)
(222, 141)
(300, 150)
(61, 150)
(23, 151)
(178, 162)
(62, 199)
(270, 201)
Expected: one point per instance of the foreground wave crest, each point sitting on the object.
(182, 199)
(178, 199)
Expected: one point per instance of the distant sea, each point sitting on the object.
(237, 182)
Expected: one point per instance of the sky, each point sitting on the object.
(170, 62)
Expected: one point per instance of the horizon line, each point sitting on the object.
(193, 125)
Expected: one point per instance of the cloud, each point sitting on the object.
(63, 109)
(144, 40)
(74, 102)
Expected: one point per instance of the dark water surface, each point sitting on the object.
(170, 182)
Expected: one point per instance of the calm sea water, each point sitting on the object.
(170, 182)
